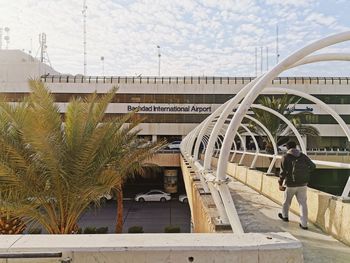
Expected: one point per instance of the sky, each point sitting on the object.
(207, 37)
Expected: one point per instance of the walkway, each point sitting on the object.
(259, 214)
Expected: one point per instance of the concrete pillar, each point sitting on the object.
(154, 138)
(170, 180)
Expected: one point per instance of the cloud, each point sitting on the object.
(196, 37)
(295, 3)
(321, 19)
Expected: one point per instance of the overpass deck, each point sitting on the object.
(259, 214)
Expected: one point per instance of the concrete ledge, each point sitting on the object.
(203, 210)
(132, 248)
(327, 212)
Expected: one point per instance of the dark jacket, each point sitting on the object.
(287, 168)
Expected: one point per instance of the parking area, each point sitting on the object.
(152, 216)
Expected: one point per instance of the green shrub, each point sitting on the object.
(80, 230)
(135, 229)
(34, 231)
(90, 230)
(102, 230)
(172, 229)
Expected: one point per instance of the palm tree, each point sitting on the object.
(58, 167)
(9, 223)
(285, 105)
(133, 162)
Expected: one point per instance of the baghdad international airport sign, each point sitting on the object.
(172, 108)
(163, 108)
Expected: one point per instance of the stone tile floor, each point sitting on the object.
(259, 214)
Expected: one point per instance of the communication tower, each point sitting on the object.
(44, 56)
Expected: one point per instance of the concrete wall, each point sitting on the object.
(154, 248)
(332, 215)
(166, 159)
(265, 161)
(203, 209)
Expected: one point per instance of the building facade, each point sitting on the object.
(172, 106)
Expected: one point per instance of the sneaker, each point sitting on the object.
(285, 219)
(303, 227)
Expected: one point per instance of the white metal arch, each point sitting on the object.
(206, 123)
(261, 84)
(257, 148)
(317, 101)
(286, 121)
(246, 99)
(306, 60)
(244, 149)
(226, 111)
(234, 152)
(269, 135)
(283, 118)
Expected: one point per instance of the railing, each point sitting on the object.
(189, 80)
(346, 190)
(328, 152)
(34, 255)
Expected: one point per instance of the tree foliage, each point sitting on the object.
(284, 105)
(52, 167)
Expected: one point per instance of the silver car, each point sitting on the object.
(175, 145)
(183, 199)
(153, 195)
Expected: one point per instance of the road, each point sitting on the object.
(152, 216)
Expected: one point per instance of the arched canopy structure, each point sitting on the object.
(208, 132)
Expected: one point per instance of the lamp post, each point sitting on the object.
(159, 55)
(103, 65)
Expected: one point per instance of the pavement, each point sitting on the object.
(152, 216)
(259, 214)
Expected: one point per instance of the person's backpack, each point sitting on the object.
(300, 170)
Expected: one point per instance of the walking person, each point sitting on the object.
(293, 180)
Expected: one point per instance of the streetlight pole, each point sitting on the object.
(159, 55)
(103, 65)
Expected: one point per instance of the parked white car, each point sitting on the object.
(175, 145)
(183, 199)
(153, 195)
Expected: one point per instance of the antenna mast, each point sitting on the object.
(159, 55)
(7, 37)
(0, 37)
(261, 60)
(277, 52)
(84, 41)
(44, 56)
(267, 58)
(256, 61)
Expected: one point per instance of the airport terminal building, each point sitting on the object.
(173, 106)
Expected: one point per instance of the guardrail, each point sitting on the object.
(32, 255)
(346, 190)
(188, 80)
(327, 152)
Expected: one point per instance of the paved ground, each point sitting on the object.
(259, 214)
(152, 216)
